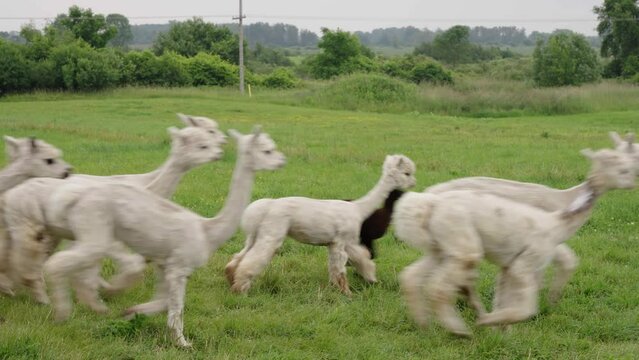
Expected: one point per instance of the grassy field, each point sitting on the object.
(292, 312)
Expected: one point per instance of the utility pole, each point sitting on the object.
(240, 18)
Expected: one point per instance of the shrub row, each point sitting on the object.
(77, 66)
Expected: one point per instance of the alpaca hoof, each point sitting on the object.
(99, 308)
(43, 300)
(465, 333)
(181, 342)
(486, 320)
(229, 272)
(61, 315)
(7, 291)
(241, 288)
(129, 313)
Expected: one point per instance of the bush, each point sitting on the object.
(77, 66)
(519, 69)
(368, 92)
(631, 66)
(417, 69)
(144, 68)
(14, 68)
(206, 69)
(565, 59)
(280, 78)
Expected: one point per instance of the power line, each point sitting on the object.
(340, 18)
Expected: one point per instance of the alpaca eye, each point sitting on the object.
(267, 152)
(212, 131)
(204, 147)
(407, 174)
(49, 161)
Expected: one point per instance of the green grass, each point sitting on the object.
(292, 312)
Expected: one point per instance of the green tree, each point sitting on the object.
(342, 53)
(193, 36)
(85, 25)
(565, 59)
(619, 28)
(123, 35)
(453, 45)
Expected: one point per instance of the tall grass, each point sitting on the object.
(472, 97)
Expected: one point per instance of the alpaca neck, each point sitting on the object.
(167, 178)
(11, 176)
(370, 202)
(578, 212)
(222, 227)
(389, 204)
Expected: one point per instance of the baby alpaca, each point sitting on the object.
(375, 226)
(34, 240)
(543, 197)
(458, 228)
(175, 239)
(332, 223)
(28, 158)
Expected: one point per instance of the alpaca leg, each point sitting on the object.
(131, 269)
(6, 283)
(86, 284)
(159, 302)
(412, 280)
(177, 288)
(566, 262)
(258, 256)
(337, 258)
(363, 264)
(518, 299)
(470, 291)
(31, 249)
(231, 267)
(62, 265)
(441, 290)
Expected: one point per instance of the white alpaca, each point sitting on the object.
(540, 196)
(28, 158)
(332, 223)
(458, 228)
(174, 238)
(34, 240)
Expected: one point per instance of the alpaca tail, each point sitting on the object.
(412, 216)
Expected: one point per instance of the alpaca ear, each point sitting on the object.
(400, 162)
(234, 134)
(588, 153)
(176, 135)
(187, 119)
(630, 139)
(257, 130)
(13, 147)
(616, 139)
(34, 144)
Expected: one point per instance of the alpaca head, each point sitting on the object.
(258, 149)
(626, 145)
(399, 170)
(205, 123)
(37, 158)
(612, 169)
(193, 146)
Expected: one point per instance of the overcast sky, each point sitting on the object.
(351, 15)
